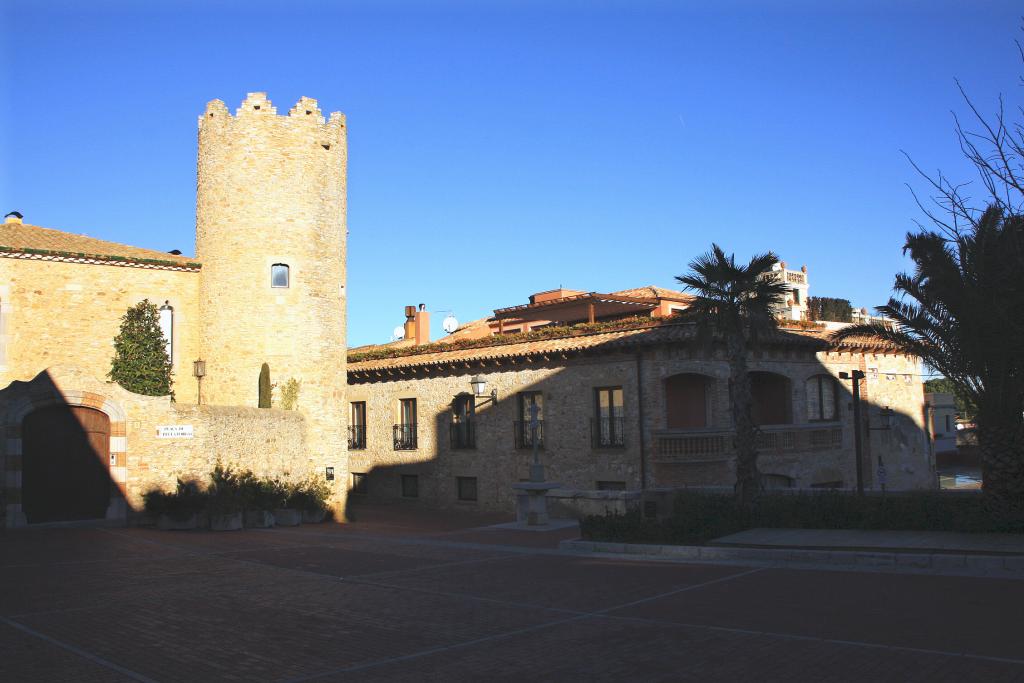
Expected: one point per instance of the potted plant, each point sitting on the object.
(178, 510)
(260, 498)
(310, 496)
(224, 500)
(287, 514)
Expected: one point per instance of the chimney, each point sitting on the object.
(422, 325)
(410, 323)
(13, 217)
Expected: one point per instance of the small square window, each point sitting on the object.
(466, 488)
(360, 484)
(279, 275)
(410, 486)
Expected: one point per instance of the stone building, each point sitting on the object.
(626, 398)
(267, 285)
(628, 401)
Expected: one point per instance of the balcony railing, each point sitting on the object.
(463, 434)
(356, 437)
(405, 437)
(607, 432)
(676, 445)
(522, 434)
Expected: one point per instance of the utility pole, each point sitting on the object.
(857, 376)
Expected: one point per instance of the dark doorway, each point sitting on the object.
(65, 476)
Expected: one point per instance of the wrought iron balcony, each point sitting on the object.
(703, 445)
(463, 435)
(356, 437)
(405, 437)
(522, 434)
(607, 432)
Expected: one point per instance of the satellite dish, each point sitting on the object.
(398, 333)
(449, 324)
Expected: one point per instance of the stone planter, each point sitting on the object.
(287, 517)
(313, 516)
(231, 521)
(259, 519)
(168, 523)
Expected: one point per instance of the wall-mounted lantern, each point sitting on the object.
(199, 371)
(479, 384)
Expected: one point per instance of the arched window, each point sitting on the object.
(822, 399)
(686, 401)
(279, 275)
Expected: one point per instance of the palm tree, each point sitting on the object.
(962, 312)
(735, 305)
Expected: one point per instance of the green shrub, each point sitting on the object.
(186, 500)
(259, 493)
(698, 517)
(310, 494)
(224, 495)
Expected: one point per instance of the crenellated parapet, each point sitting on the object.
(258, 109)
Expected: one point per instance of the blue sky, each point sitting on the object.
(498, 149)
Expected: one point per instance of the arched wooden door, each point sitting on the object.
(65, 472)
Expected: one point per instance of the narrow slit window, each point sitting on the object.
(279, 275)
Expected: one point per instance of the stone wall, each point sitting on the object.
(269, 442)
(69, 313)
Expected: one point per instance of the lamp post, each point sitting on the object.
(856, 376)
(199, 371)
(536, 469)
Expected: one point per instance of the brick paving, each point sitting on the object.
(412, 595)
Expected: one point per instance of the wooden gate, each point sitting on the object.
(65, 470)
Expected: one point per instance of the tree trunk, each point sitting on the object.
(747, 477)
(1002, 466)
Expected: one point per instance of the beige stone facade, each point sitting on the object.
(57, 313)
(801, 451)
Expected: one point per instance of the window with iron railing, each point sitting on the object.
(606, 427)
(530, 403)
(462, 434)
(404, 437)
(357, 426)
(523, 434)
(461, 430)
(356, 437)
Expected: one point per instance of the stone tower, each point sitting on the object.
(270, 233)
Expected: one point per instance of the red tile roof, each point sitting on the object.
(31, 241)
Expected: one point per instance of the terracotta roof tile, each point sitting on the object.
(614, 340)
(19, 237)
(652, 292)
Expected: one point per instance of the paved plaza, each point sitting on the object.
(412, 595)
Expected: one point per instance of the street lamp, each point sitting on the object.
(199, 371)
(479, 384)
(856, 376)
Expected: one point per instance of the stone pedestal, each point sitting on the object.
(533, 507)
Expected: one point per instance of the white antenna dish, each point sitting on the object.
(398, 333)
(449, 324)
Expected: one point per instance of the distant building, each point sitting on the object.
(943, 427)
